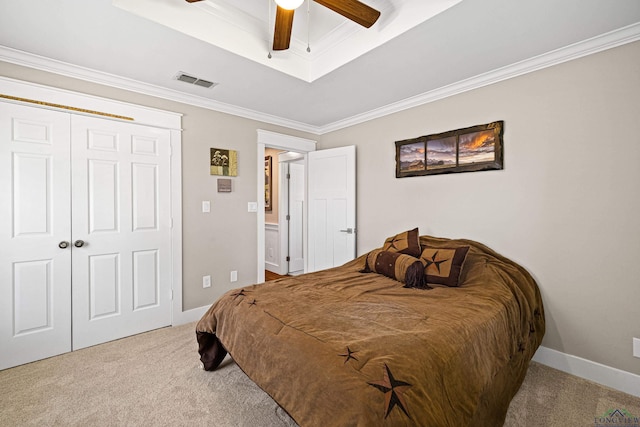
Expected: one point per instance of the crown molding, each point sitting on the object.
(42, 63)
(587, 47)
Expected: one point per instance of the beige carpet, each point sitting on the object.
(154, 379)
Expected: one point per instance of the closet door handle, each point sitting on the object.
(63, 245)
(78, 243)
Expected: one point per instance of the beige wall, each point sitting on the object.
(566, 206)
(213, 243)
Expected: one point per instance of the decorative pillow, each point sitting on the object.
(404, 243)
(443, 265)
(397, 266)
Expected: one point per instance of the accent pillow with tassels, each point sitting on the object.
(397, 266)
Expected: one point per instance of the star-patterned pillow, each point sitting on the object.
(404, 243)
(443, 265)
(403, 268)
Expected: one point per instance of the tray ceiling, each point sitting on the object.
(321, 40)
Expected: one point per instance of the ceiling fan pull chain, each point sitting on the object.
(308, 25)
(269, 30)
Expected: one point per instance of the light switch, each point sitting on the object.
(206, 281)
(252, 207)
(206, 206)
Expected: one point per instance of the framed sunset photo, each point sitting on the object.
(471, 149)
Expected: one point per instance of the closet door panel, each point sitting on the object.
(35, 273)
(121, 211)
(103, 196)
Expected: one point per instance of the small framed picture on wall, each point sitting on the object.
(223, 162)
(268, 178)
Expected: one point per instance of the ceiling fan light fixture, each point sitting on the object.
(289, 4)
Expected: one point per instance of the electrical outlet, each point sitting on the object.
(234, 276)
(636, 347)
(206, 281)
(206, 206)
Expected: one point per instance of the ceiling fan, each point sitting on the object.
(353, 10)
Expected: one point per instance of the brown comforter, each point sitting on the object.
(344, 348)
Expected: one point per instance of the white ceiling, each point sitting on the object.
(246, 28)
(472, 43)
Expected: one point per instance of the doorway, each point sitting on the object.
(329, 224)
(285, 143)
(284, 214)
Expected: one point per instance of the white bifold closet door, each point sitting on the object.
(85, 249)
(35, 218)
(121, 256)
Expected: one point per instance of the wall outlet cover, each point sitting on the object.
(206, 281)
(636, 347)
(234, 276)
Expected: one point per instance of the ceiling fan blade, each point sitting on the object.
(354, 10)
(282, 32)
(193, 1)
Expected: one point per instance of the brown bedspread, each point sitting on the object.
(344, 348)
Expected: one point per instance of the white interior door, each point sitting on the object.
(296, 217)
(35, 221)
(121, 230)
(332, 207)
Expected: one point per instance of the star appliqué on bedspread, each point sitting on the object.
(254, 302)
(393, 391)
(349, 355)
(433, 261)
(240, 293)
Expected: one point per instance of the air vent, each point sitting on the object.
(183, 77)
(187, 79)
(203, 83)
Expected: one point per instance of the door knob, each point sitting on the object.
(78, 243)
(63, 245)
(348, 231)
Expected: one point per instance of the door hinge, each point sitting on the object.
(288, 258)
(288, 176)
(288, 218)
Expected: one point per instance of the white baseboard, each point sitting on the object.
(272, 267)
(618, 379)
(189, 316)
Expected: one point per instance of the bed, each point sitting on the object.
(371, 344)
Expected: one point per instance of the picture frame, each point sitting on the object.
(268, 178)
(223, 162)
(472, 149)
